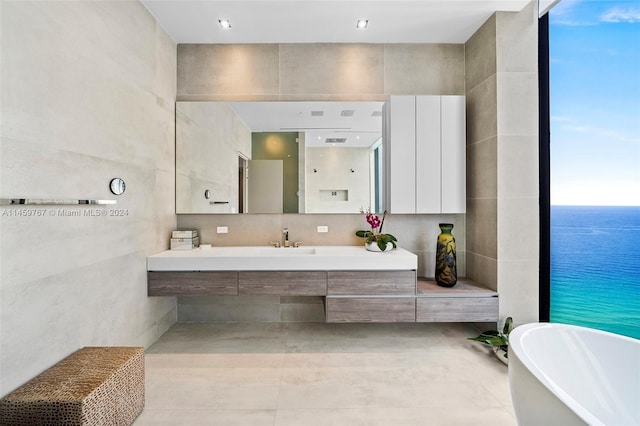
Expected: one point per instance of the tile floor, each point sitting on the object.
(302, 374)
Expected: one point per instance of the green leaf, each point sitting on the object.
(496, 338)
(491, 337)
(478, 339)
(383, 239)
(496, 341)
(508, 326)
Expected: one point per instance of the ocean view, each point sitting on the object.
(595, 267)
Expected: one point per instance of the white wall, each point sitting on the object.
(518, 219)
(88, 92)
(208, 138)
(333, 172)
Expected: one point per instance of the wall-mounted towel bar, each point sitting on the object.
(51, 202)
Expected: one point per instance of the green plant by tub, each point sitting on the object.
(376, 231)
(495, 338)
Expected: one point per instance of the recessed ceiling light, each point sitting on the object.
(362, 23)
(224, 23)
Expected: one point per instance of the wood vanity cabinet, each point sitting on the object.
(371, 296)
(371, 309)
(372, 283)
(465, 302)
(196, 283)
(351, 296)
(283, 283)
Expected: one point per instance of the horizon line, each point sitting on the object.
(596, 205)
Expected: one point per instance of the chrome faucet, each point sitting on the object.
(285, 232)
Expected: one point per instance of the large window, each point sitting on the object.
(594, 99)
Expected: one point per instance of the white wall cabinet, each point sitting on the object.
(425, 160)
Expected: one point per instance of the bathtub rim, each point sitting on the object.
(517, 348)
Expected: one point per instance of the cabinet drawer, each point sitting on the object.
(345, 283)
(372, 309)
(293, 283)
(457, 309)
(192, 283)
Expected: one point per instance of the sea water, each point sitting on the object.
(595, 268)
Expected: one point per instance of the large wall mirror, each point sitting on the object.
(278, 157)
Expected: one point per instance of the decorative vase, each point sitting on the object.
(446, 273)
(373, 246)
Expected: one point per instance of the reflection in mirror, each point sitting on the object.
(278, 157)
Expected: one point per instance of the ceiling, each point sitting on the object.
(325, 21)
(319, 120)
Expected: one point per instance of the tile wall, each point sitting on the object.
(88, 91)
(497, 71)
(518, 222)
(502, 160)
(482, 172)
(88, 94)
(314, 72)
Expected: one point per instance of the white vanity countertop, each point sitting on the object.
(264, 258)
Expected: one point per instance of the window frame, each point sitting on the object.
(544, 169)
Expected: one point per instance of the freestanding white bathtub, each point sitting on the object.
(567, 375)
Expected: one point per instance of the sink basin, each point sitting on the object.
(286, 251)
(309, 258)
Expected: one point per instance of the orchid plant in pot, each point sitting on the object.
(375, 239)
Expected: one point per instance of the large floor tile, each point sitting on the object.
(164, 417)
(362, 338)
(206, 388)
(222, 338)
(394, 416)
(224, 360)
(379, 387)
(324, 374)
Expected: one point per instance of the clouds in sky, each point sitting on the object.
(621, 14)
(606, 134)
(583, 13)
(595, 102)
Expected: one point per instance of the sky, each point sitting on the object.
(595, 102)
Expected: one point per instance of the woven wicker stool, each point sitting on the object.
(93, 386)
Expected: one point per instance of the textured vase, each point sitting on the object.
(446, 273)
